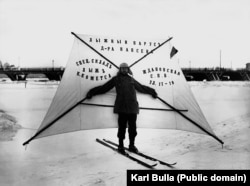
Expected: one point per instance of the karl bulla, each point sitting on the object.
(152, 177)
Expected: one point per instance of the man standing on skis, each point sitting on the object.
(126, 105)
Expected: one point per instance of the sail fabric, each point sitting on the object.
(94, 60)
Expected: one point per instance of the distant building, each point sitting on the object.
(248, 66)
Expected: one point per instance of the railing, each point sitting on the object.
(36, 69)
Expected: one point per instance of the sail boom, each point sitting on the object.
(143, 108)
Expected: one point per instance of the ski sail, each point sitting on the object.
(94, 60)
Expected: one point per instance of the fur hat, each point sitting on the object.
(125, 65)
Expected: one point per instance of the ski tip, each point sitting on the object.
(168, 164)
(173, 163)
(154, 165)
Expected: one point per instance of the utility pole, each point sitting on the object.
(220, 59)
(18, 62)
(53, 64)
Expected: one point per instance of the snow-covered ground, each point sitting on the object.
(76, 159)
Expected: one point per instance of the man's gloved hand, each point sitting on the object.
(88, 96)
(154, 95)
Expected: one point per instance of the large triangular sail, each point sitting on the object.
(94, 60)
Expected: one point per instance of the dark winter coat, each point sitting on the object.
(126, 86)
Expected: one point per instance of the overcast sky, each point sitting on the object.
(35, 32)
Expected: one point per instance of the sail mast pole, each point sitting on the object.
(63, 114)
(196, 124)
(52, 122)
(151, 51)
(94, 50)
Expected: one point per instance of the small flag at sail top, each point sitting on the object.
(173, 52)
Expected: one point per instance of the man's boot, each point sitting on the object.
(132, 146)
(121, 147)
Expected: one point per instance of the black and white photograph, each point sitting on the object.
(90, 89)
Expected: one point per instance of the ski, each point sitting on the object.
(144, 155)
(127, 155)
